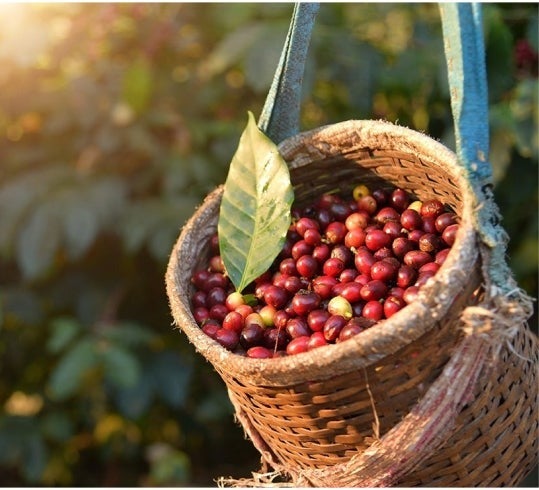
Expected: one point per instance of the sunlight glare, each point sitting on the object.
(22, 37)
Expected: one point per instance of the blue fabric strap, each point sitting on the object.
(465, 56)
(280, 115)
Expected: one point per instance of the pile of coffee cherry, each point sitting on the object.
(346, 264)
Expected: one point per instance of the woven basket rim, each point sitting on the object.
(387, 336)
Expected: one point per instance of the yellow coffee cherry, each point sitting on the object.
(360, 191)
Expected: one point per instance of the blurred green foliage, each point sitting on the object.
(115, 121)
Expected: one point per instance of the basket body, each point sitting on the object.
(319, 409)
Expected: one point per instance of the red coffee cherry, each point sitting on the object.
(444, 220)
(233, 321)
(357, 220)
(304, 224)
(410, 294)
(316, 319)
(259, 352)
(293, 284)
(373, 310)
(275, 296)
(229, 339)
(350, 330)
(210, 329)
(288, 266)
(346, 264)
(251, 335)
(393, 229)
(275, 339)
(399, 199)
(317, 340)
(313, 237)
(335, 232)
(298, 345)
(450, 234)
(199, 299)
(355, 238)
(376, 239)
(307, 266)
(300, 248)
(348, 275)
(402, 245)
(430, 242)
(321, 252)
(384, 270)
(364, 261)
(373, 291)
(323, 286)
(333, 267)
(381, 196)
(429, 225)
(218, 312)
(417, 258)
(406, 276)
(411, 220)
(351, 291)
(297, 327)
(199, 278)
(304, 302)
(333, 327)
(441, 256)
(387, 214)
(431, 208)
(216, 296)
(392, 305)
(367, 204)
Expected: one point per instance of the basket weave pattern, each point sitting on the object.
(320, 409)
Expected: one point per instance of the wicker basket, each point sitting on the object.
(421, 399)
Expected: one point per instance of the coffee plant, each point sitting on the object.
(115, 121)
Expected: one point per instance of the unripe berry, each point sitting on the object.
(360, 191)
(340, 306)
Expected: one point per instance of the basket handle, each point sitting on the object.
(280, 115)
(464, 50)
(465, 58)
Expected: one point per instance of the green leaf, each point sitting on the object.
(172, 376)
(168, 466)
(34, 458)
(21, 444)
(121, 367)
(57, 426)
(524, 110)
(263, 56)
(154, 222)
(255, 209)
(133, 401)
(80, 225)
(39, 241)
(64, 330)
(22, 305)
(129, 335)
(21, 195)
(231, 49)
(67, 376)
(499, 59)
(138, 85)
